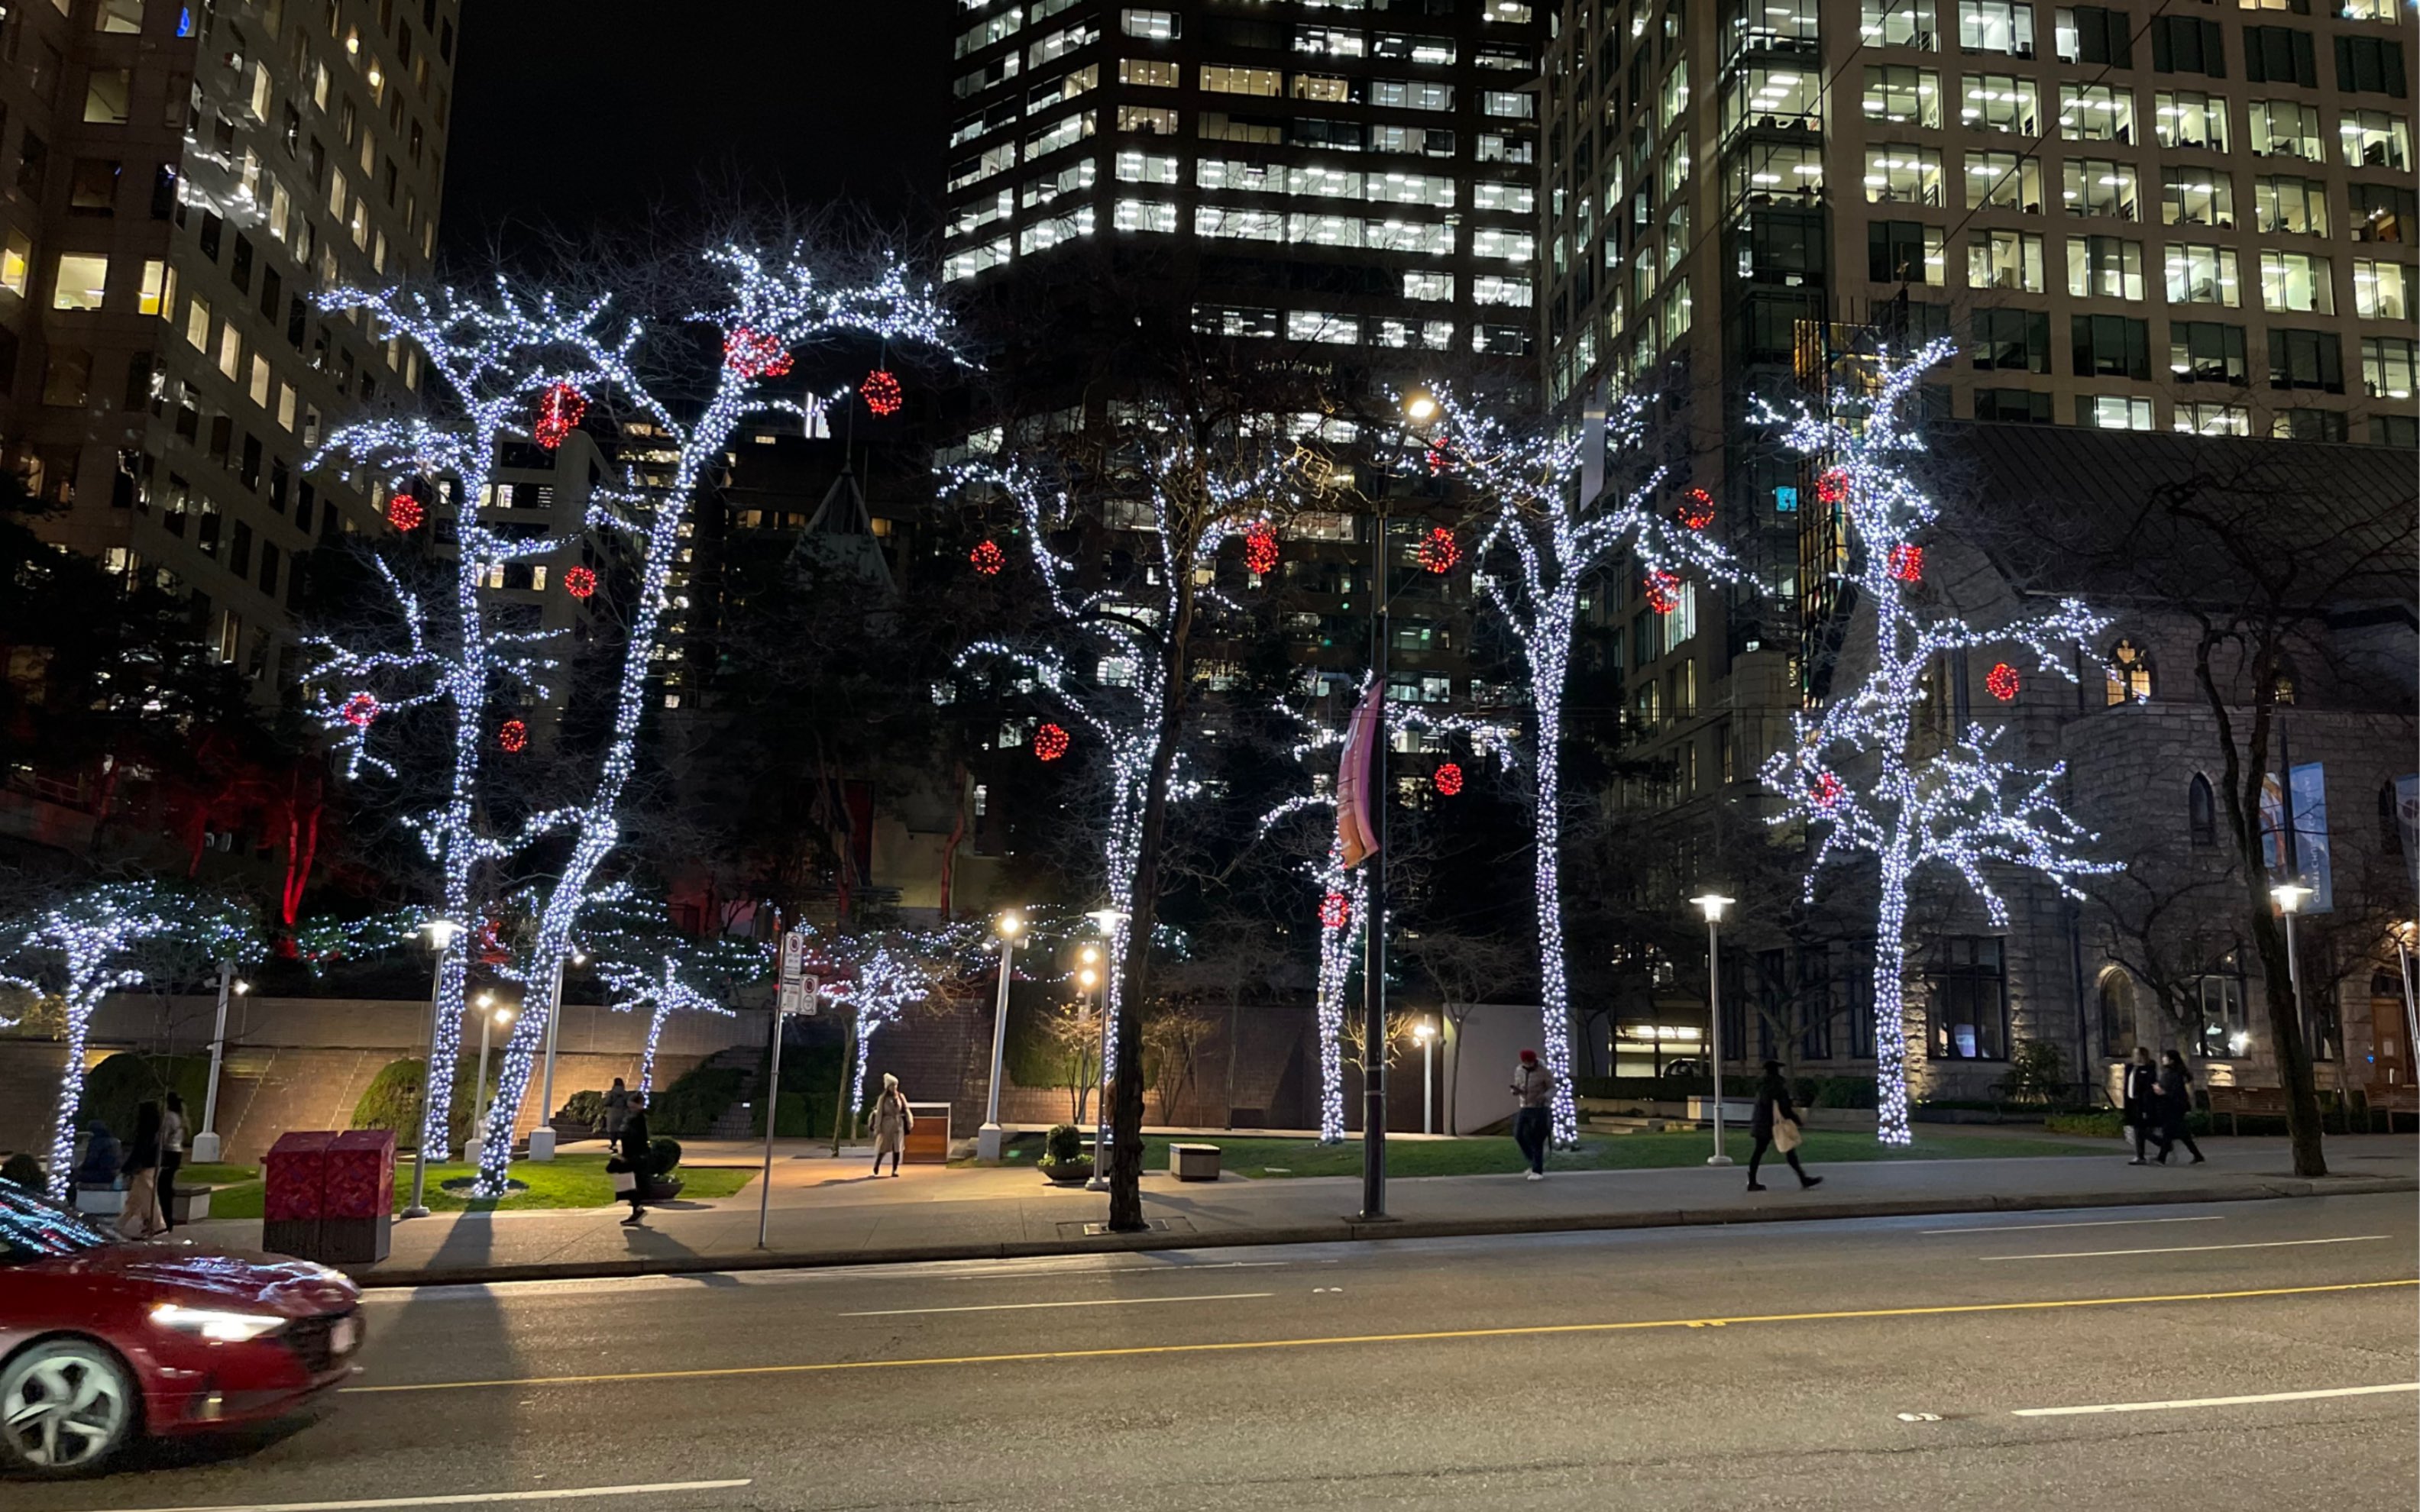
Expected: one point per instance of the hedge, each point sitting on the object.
(392, 1099)
(112, 1089)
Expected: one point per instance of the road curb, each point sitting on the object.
(1345, 1229)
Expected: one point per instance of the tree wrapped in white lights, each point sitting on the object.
(1862, 775)
(1188, 497)
(885, 976)
(111, 935)
(770, 309)
(1556, 542)
(646, 963)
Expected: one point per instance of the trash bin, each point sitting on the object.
(357, 1210)
(928, 1143)
(295, 1176)
(1193, 1163)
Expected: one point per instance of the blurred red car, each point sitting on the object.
(103, 1341)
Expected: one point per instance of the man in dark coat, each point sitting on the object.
(632, 1151)
(2139, 1107)
(1773, 1102)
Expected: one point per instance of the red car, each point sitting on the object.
(103, 1341)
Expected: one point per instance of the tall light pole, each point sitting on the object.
(489, 1016)
(205, 1144)
(1426, 1031)
(1712, 904)
(440, 932)
(988, 1137)
(2289, 898)
(2406, 935)
(542, 1137)
(1106, 920)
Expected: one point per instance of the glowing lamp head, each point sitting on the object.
(1107, 920)
(1711, 904)
(2288, 897)
(441, 933)
(1088, 978)
(1009, 925)
(503, 1016)
(485, 1001)
(239, 987)
(1420, 409)
(1424, 1031)
(1090, 954)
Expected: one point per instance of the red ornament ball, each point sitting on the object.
(1697, 509)
(1050, 742)
(1335, 910)
(987, 558)
(512, 735)
(1440, 456)
(1828, 791)
(755, 353)
(882, 393)
(1831, 487)
(1440, 551)
(360, 710)
(1663, 591)
(1907, 563)
(405, 513)
(1260, 549)
(1448, 778)
(559, 409)
(578, 581)
(2002, 682)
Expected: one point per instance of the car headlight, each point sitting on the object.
(218, 1327)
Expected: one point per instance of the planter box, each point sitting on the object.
(192, 1202)
(1193, 1163)
(1735, 1110)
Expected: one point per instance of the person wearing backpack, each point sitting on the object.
(1775, 1126)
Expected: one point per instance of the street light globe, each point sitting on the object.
(1009, 925)
(242, 987)
(1088, 976)
(1711, 904)
(440, 932)
(1424, 1031)
(1090, 954)
(486, 1000)
(1107, 920)
(1421, 407)
(504, 1015)
(2289, 896)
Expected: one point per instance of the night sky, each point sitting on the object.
(574, 114)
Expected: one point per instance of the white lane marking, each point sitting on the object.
(2185, 1249)
(1052, 1268)
(2215, 1401)
(2096, 1223)
(1023, 1306)
(559, 1494)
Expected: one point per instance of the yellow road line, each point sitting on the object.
(1529, 1331)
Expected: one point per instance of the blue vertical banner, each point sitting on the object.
(2294, 840)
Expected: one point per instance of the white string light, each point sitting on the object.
(1861, 775)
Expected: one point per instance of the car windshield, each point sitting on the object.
(33, 1227)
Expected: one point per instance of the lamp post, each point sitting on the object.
(988, 1137)
(1106, 920)
(205, 1144)
(542, 1137)
(2405, 937)
(489, 1016)
(440, 932)
(1712, 904)
(2289, 898)
(1425, 1032)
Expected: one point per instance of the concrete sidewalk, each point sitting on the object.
(831, 1213)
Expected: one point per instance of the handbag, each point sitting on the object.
(625, 1182)
(1787, 1135)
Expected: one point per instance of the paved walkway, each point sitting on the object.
(832, 1212)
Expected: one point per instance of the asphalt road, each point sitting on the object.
(1852, 1365)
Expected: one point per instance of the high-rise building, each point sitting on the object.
(2196, 217)
(186, 176)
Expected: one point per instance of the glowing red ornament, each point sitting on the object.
(1335, 910)
(987, 558)
(881, 392)
(360, 710)
(1440, 551)
(1440, 456)
(2002, 682)
(1663, 591)
(1448, 778)
(1907, 563)
(1050, 742)
(1828, 791)
(755, 353)
(404, 513)
(578, 581)
(512, 735)
(1697, 509)
(559, 409)
(1831, 487)
(1260, 549)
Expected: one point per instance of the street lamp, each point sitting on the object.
(205, 1144)
(1108, 921)
(1712, 904)
(542, 1137)
(1420, 409)
(1425, 1032)
(2289, 898)
(440, 932)
(489, 1017)
(988, 1137)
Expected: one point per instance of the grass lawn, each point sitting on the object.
(565, 1182)
(216, 1175)
(1281, 1158)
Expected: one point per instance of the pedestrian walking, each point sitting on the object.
(2139, 1103)
(172, 1154)
(1533, 1084)
(891, 1122)
(2176, 1105)
(618, 1108)
(1775, 1126)
(633, 1156)
(140, 1217)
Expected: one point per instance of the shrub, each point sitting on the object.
(1845, 1092)
(586, 1107)
(664, 1155)
(1658, 1088)
(112, 1088)
(2091, 1125)
(24, 1169)
(392, 1099)
(1065, 1147)
(692, 1104)
(810, 1090)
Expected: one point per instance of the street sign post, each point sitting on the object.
(808, 988)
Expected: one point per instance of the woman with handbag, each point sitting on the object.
(140, 1218)
(633, 1162)
(1775, 1126)
(891, 1122)
(2176, 1105)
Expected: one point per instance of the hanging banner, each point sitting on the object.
(2295, 844)
(2407, 820)
(1357, 830)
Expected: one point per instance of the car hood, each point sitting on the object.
(186, 1272)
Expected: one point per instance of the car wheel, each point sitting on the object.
(65, 1406)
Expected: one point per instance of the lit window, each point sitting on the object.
(1515, 246)
(2288, 129)
(2388, 365)
(1424, 285)
(2290, 205)
(1325, 86)
(1999, 103)
(1156, 120)
(1995, 27)
(16, 262)
(2377, 290)
(2296, 281)
(2096, 112)
(2374, 139)
(1153, 25)
(2101, 187)
(1512, 104)
(2113, 412)
(2206, 417)
(1144, 215)
(2107, 267)
(1149, 74)
(83, 280)
(1881, 24)
(1319, 325)
(107, 93)
(1902, 176)
(2004, 181)
(1496, 289)
(1219, 79)
(2202, 274)
(2186, 119)
(2196, 196)
(1895, 96)
(2004, 260)
(1135, 167)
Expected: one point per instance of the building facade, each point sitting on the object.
(188, 178)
